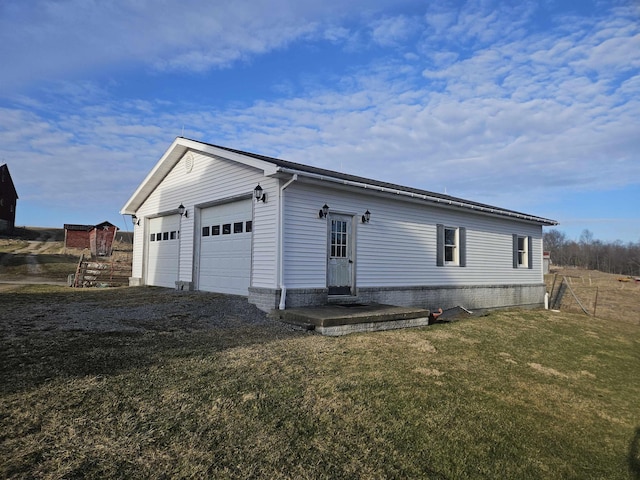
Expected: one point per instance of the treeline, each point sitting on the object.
(610, 257)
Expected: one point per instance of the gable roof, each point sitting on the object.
(105, 224)
(7, 181)
(78, 228)
(272, 166)
(87, 228)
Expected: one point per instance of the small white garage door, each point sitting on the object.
(162, 241)
(225, 248)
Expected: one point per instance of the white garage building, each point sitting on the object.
(198, 225)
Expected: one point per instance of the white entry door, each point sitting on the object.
(225, 248)
(340, 255)
(162, 248)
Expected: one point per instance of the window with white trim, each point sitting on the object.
(451, 246)
(522, 251)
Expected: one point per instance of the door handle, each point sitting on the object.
(350, 261)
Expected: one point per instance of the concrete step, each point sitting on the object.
(340, 319)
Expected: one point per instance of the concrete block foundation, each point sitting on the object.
(471, 297)
(184, 285)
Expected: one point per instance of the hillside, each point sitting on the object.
(38, 255)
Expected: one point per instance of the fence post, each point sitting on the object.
(576, 298)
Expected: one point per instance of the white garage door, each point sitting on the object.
(162, 241)
(225, 248)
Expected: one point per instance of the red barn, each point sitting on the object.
(97, 238)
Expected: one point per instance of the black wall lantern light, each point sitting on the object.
(324, 211)
(183, 211)
(135, 220)
(259, 194)
(366, 217)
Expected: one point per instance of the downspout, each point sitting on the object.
(283, 288)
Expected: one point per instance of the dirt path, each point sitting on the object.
(37, 246)
(32, 250)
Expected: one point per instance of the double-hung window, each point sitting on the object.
(522, 251)
(451, 246)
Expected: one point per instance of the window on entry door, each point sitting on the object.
(338, 239)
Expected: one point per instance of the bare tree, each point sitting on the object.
(554, 242)
(588, 252)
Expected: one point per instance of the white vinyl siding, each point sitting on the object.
(399, 245)
(265, 236)
(210, 180)
(139, 241)
(305, 238)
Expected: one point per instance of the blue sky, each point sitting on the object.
(527, 105)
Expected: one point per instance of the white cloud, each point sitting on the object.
(335, 33)
(476, 22)
(390, 31)
(48, 39)
(498, 121)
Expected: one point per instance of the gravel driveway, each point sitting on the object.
(28, 310)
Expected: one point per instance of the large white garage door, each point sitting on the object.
(225, 248)
(162, 241)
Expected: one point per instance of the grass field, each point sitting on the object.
(609, 296)
(22, 257)
(514, 394)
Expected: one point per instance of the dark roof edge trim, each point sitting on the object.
(286, 166)
(424, 196)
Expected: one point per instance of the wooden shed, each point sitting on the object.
(96, 238)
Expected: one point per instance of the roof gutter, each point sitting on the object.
(428, 198)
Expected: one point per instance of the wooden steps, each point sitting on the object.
(107, 272)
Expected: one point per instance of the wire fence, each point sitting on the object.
(595, 294)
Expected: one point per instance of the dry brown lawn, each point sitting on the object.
(618, 297)
(154, 383)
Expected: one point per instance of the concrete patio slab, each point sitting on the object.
(337, 319)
